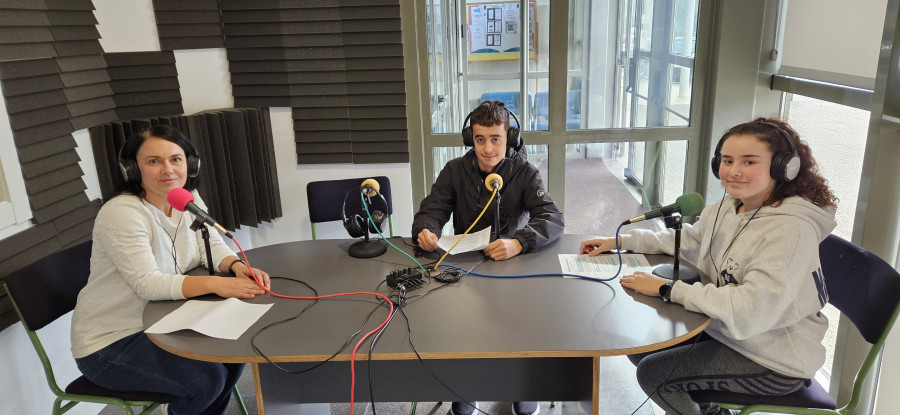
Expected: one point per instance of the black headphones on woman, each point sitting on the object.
(357, 225)
(785, 166)
(131, 173)
(512, 133)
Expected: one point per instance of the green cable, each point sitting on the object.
(366, 208)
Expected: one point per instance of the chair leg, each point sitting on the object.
(239, 399)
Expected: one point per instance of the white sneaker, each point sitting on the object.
(164, 408)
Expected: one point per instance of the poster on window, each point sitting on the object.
(495, 32)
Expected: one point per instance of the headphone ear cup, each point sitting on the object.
(354, 226)
(468, 140)
(377, 217)
(193, 166)
(512, 136)
(130, 171)
(714, 164)
(792, 168)
(779, 165)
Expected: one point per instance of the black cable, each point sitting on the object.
(409, 339)
(696, 339)
(400, 302)
(259, 352)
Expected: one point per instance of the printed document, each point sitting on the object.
(226, 319)
(604, 265)
(472, 242)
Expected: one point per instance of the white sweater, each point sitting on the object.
(767, 288)
(132, 262)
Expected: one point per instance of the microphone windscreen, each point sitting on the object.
(490, 178)
(690, 203)
(179, 198)
(370, 183)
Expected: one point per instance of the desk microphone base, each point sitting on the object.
(367, 249)
(685, 274)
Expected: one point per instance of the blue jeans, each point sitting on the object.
(134, 363)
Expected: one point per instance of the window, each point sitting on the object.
(626, 84)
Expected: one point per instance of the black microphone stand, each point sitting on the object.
(204, 232)
(367, 248)
(495, 235)
(673, 271)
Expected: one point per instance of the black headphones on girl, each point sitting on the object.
(512, 133)
(356, 225)
(785, 166)
(131, 173)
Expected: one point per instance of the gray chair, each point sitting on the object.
(48, 289)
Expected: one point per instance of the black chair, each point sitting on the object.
(863, 287)
(325, 199)
(48, 289)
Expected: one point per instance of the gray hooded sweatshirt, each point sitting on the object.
(762, 280)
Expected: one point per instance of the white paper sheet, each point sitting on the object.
(226, 319)
(472, 242)
(604, 265)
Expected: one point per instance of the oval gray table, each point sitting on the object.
(498, 339)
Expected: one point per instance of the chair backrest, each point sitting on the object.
(326, 197)
(863, 286)
(48, 288)
(509, 99)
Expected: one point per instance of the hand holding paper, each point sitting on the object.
(472, 242)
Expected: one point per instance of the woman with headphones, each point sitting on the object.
(141, 251)
(759, 249)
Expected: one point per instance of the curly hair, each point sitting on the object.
(489, 114)
(808, 184)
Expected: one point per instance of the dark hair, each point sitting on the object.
(808, 184)
(489, 114)
(133, 144)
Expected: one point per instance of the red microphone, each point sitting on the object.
(183, 200)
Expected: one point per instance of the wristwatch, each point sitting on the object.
(665, 290)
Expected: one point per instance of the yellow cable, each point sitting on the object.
(467, 230)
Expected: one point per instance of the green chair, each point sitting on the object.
(863, 287)
(48, 289)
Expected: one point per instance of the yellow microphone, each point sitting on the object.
(370, 186)
(493, 181)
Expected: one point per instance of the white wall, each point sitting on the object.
(205, 84)
(292, 180)
(833, 40)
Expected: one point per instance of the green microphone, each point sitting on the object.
(686, 204)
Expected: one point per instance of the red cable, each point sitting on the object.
(363, 339)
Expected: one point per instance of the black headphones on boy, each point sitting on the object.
(512, 133)
(785, 166)
(357, 225)
(132, 173)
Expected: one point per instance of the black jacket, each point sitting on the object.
(526, 211)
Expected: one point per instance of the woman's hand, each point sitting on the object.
(644, 283)
(243, 271)
(594, 247)
(240, 287)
